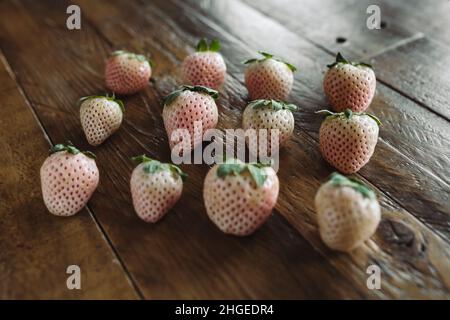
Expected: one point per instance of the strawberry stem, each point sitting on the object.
(347, 114)
(153, 166)
(70, 148)
(235, 168)
(274, 104)
(341, 60)
(270, 56)
(203, 46)
(200, 89)
(342, 181)
(106, 96)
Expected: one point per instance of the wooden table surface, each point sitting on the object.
(45, 68)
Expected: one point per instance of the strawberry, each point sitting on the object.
(68, 179)
(155, 188)
(349, 85)
(187, 108)
(205, 67)
(269, 77)
(347, 139)
(270, 115)
(127, 73)
(239, 197)
(348, 212)
(100, 117)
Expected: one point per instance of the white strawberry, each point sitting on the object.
(348, 212)
(270, 115)
(239, 197)
(269, 77)
(68, 179)
(100, 117)
(205, 67)
(155, 188)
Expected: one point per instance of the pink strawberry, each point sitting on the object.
(348, 212)
(347, 140)
(269, 77)
(68, 179)
(127, 73)
(205, 67)
(193, 109)
(100, 117)
(155, 188)
(239, 197)
(349, 85)
(270, 115)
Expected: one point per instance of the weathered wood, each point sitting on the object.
(36, 247)
(418, 67)
(184, 256)
(298, 186)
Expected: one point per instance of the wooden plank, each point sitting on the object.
(180, 32)
(421, 69)
(184, 256)
(402, 72)
(36, 247)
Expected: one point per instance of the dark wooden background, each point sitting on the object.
(45, 68)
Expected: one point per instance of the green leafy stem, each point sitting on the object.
(201, 89)
(70, 148)
(203, 45)
(107, 97)
(151, 166)
(341, 60)
(342, 181)
(348, 114)
(274, 104)
(267, 56)
(131, 55)
(235, 168)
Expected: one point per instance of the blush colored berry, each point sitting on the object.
(273, 116)
(349, 85)
(347, 139)
(100, 117)
(188, 112)
(68, 179)
(127, 73)
(205, 67)
(348, 212)
(269, 78)
(155, 188)
(239, 197)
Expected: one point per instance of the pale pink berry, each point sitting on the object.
(127, 73)
(275, 117)
(240, 197)
(155, 188)
(68, 179)
(347, 140)
(188, 112)
(348, 213)
(205, 67)
(269, 78)
(349, 85)
(100, 117)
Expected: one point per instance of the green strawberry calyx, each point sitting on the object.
(107, 97)
(234, 167)
(200, 89)
(273, 104)
(203, 45)
(70, 148)
(131, 55)
(151, 166)
(341, 60)
(339, 180)
(348, 114)
(267, 56)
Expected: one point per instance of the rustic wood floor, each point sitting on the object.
(45, 68)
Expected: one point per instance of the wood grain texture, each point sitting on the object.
(36, 247)
(298, 188)
(412, 70)
(184, 256)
